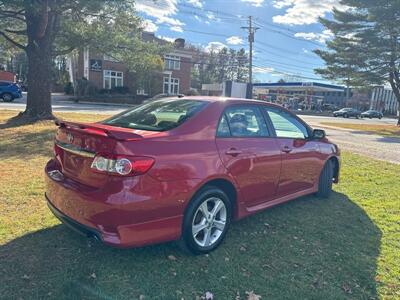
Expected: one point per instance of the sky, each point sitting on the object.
(288, 30)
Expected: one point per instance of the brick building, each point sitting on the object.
(107, 73)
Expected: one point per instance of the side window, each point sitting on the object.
(286, 126)
(242, 121)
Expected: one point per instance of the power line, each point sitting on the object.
(266, 68)
(284, 56)
(283, 64)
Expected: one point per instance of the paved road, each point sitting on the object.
(61, 103)
(371, 145)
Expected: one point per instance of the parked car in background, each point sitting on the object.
(329, 107)
(372, 114)
(9, 91)
(347, 113)
(184, 168)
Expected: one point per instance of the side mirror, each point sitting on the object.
(318, 134)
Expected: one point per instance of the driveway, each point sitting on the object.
(372, 145)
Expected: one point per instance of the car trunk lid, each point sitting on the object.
(76, 145)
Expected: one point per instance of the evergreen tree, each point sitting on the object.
(365, 50)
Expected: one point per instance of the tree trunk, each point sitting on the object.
(38, 106)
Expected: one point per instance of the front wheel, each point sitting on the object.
(7, 97)
(325, 180)
(206, 221)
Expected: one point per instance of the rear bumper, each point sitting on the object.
(136, 212)
(78, 227)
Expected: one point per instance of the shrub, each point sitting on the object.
(120, 90)
(68, 88)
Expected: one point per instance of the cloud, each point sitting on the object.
(176, 28)
(214, 46)
(166, 38)
(148, 25)
(196, 3)
(263, 70)
(234, 40)
(161, 11)
(312, 36)
(303, 12)
(211, 16)
(256, 3)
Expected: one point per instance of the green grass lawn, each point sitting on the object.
(346, 247)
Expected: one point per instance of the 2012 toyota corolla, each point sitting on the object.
(184, 169)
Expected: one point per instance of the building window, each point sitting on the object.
(112, 79)
(171, 87)
(172, 62)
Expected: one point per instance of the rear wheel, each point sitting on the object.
(345, 116)
(206, 221)
(7, 97)
(325, 180)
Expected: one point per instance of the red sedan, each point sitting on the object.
(184, 169)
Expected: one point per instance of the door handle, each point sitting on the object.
(233, 152)
(287, 149)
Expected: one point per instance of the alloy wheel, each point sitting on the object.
(209, 222)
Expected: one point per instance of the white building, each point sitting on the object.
(383, 99)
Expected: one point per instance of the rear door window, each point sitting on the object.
(242, 121)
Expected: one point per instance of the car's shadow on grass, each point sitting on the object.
(307, 249)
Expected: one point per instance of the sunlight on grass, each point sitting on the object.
(344, 247)
(385, 130)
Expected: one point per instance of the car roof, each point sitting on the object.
(228, 100)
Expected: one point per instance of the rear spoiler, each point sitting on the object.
(98, 129)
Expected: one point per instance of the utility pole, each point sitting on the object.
(251, 30)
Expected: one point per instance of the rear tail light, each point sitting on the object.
(123, 166)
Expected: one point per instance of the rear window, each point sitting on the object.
(160, 115)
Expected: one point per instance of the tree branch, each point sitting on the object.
(12, 41)
(13, 14)
(63, 52)
(19, 32)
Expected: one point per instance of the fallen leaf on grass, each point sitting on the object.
(252, 296)
(209, 296)
(93, 275)
(346, 289)
(171, 257)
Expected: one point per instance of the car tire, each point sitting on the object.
(214, 226)
(7, 97)
(325, 181)
(345, 116)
